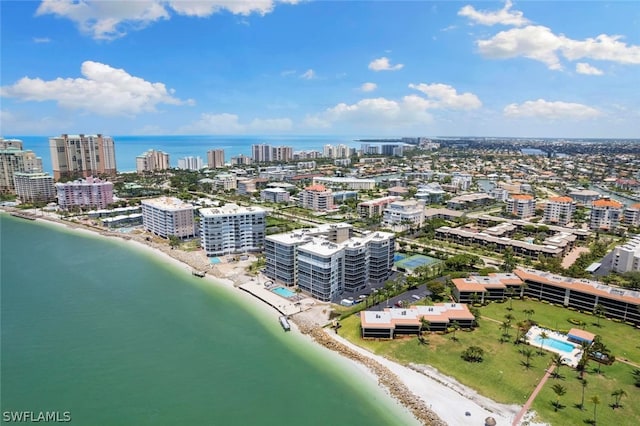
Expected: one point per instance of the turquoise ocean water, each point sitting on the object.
(128, 147)
(103, 330)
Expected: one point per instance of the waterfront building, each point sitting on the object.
(275, 195)
(431, 193)
(328, 260)
(404, 213)
(581, 294)
(376, 206)
(215, 158)
(391, 322)
(559, 210)
(346, 183)
(282, 153)
(82, 156)
(626, 258)
(632, 215)
(468, 201)
(585, 196)
(605, 214)
(152, 161)
(167, 216)
(522, 206)
(485, 288)
(316, 197)
(89, 192)
(32, 187)
(14, 159)
(232, 229)
(261, 153)
(190, 163)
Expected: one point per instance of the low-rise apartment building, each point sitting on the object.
(404, 213)
(375, 207)
(626, 258)
(559, 210)
(316, 197)
(522, 206)
(605, 214)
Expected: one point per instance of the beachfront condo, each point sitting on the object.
(82, 156)
(232, 229)
(91, 193)
(168, 216)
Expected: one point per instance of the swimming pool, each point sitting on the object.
(558, 345)
(284, 292)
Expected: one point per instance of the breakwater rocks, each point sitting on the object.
(386, 378)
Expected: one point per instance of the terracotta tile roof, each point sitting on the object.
(522, 197)
(316, 188)
(603, 202)
(561, 199)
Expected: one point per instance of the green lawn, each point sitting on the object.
(502, 376)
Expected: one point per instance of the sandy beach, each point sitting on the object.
(432, 398)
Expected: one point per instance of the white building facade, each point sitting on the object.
(167, 216)
(34, 187)
(90, 192)
(232, 229)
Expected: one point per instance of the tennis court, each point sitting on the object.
(412, 262)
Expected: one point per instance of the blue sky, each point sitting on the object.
(361, 68)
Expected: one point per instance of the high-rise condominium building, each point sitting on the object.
(559, 210)
(190, 163)
(82, 156)
(215, 158)
(34, 187)
(13, 159)
(605, 214)
(90, 192)
(261, 153)
(232, 229)
(316, 197)
(522, 206)
(168, 216)
(327, 260)
(152, 161)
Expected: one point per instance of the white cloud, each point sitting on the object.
(368, 87)
(504, 16)
(41, 40)
(225, 124)
(446, 97)
(550, 110)
(584, 68)
(287, 73)
(103, 91)
(373, 113)
(541, 44)
(383, 64)
(534, 42)
(308, 75)
(112, 19)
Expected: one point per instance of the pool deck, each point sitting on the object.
(279, 303)
(570, 359)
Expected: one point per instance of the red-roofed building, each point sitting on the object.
(316, 197)
(521, 205)
(605, 214)
(559, 210)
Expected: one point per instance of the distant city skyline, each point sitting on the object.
(519, 69)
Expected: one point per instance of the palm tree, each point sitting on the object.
(584, 385)
(425, 325)
(456, 326)
(559, 390)
(636, 377)
(519, 330)
(510, 293)
(618, 394)
(528, 353)
(529, 313)
(595, 401)
(505, 326)
(543, 336)
(599, 311)
(557, 360)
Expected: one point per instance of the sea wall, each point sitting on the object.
(386, 378)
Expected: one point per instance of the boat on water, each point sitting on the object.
(284, 322)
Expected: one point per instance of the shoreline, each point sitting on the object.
(411, 387)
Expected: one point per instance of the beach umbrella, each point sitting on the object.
(490, 421)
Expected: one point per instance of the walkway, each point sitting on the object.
(529, 402)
